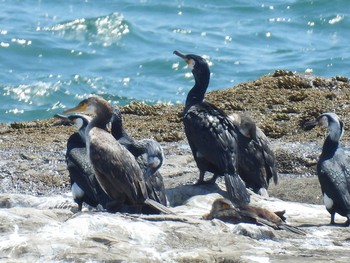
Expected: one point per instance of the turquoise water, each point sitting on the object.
(55, 53)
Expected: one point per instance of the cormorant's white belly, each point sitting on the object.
(328, 202)
(77, 191)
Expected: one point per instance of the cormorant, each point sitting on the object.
(224, 210)
(255, 159)
(115, 167)
(149, 155)
(333, 168)
(84, 186)
(210, 133)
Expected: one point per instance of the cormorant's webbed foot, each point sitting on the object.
(211, 181)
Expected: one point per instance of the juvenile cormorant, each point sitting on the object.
(210, 133)
(224, 210)
(149, 155)
(115, 167)
(333, 168)
(256, 160)
(84, 186)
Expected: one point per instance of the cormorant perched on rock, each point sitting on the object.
(149, 155)
(210, 133)
(256, 160)
(84, 186)
(115, 167)
(224, 210)
(333, 168)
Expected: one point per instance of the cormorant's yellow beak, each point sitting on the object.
(81, 107)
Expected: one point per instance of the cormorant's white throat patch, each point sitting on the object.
(191, 63)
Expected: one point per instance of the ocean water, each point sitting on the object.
(55, 53)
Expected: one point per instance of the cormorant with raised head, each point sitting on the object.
(84, 186)
(333, 168)
(256, 160)
(115, 167)
(149, 155)
(210, 133)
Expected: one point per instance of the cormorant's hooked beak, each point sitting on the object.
(189, 61)
(67, 119)
(309, 125)
(62, 117)
(81, 107)
(179, 54)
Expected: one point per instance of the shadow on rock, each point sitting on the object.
(181, 193)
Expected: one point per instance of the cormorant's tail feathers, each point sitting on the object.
(236, 189)
(158, 206)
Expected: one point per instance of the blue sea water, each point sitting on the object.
(55, 53)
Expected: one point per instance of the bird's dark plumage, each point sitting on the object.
(333, 168)
(149, 155)
(210, 133)
(224, 210)
(115, 167)
(85, 188)
(256, 160)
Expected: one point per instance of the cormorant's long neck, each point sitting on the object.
(101, 120)
(330, 146)
(196, 94)
(331, 143)
(118, 131)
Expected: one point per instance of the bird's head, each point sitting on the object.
(93, 105)
(197, 64)
(331, 121)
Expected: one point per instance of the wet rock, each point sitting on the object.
(39, 220)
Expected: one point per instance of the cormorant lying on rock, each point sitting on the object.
(84, 186)
(224, 210)
(333, 168)
(115, 167)
(210, 134)
(255, 159)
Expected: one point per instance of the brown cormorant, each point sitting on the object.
(224, 210)
(84, 186)
(116, 169)
(256, 160)
(210, 133)
(149, 155)
(333, 168)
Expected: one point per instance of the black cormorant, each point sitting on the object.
(84, 186)
(115, 167)
(210, 133)
(224, 210)
(333, 168)
(256, 160)
(149, 155)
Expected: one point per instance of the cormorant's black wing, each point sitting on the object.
(211, 135)
(268, 156)
(334, 177)
(212, 138)
(251, 163)
(82, 173)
